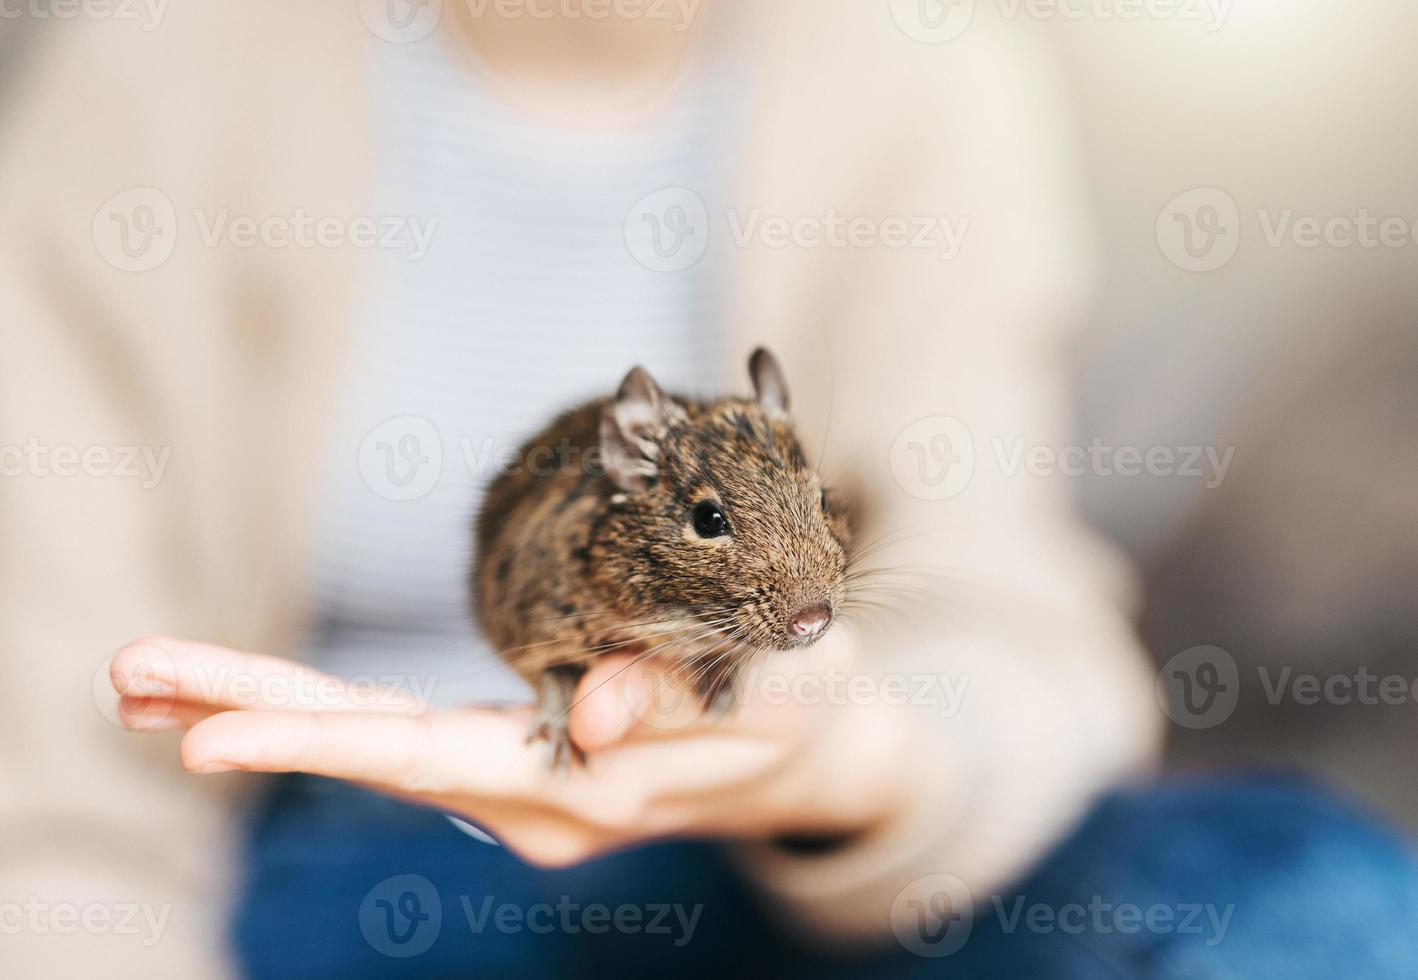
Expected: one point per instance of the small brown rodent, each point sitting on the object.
(694, 530)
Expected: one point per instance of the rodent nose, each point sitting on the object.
(811, 620)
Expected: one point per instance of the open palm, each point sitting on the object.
(658, 766)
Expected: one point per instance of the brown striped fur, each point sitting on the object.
(588, 545)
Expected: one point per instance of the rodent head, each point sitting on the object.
(719, 515)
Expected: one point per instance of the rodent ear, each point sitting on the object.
(769, 382)
(631, 425)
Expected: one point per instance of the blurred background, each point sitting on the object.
(1251, 170)
(1299, 351)
(1250, 166)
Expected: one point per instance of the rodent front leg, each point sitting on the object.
(556, 692)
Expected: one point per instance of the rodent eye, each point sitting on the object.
(709, 520)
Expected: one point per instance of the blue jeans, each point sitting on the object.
(1251, 878)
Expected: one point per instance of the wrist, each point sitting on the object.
(855, 779)
(839, 877)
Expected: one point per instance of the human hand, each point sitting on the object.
(658, 766)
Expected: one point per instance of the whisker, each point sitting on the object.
(641, 658)
(827, 429)
(581, 656)
(732, 639)
(693, 610)
(683, 629)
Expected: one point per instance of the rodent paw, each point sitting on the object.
(565, 754)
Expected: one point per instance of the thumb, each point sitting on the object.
(621, 695)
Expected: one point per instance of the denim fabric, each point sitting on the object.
(1246, 878)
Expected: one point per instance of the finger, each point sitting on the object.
(600, 714)
(621, 696)
(153, 714)
(224, 678)
(553, 842)
(468, 752)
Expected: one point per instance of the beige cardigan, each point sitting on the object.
(229, 358)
